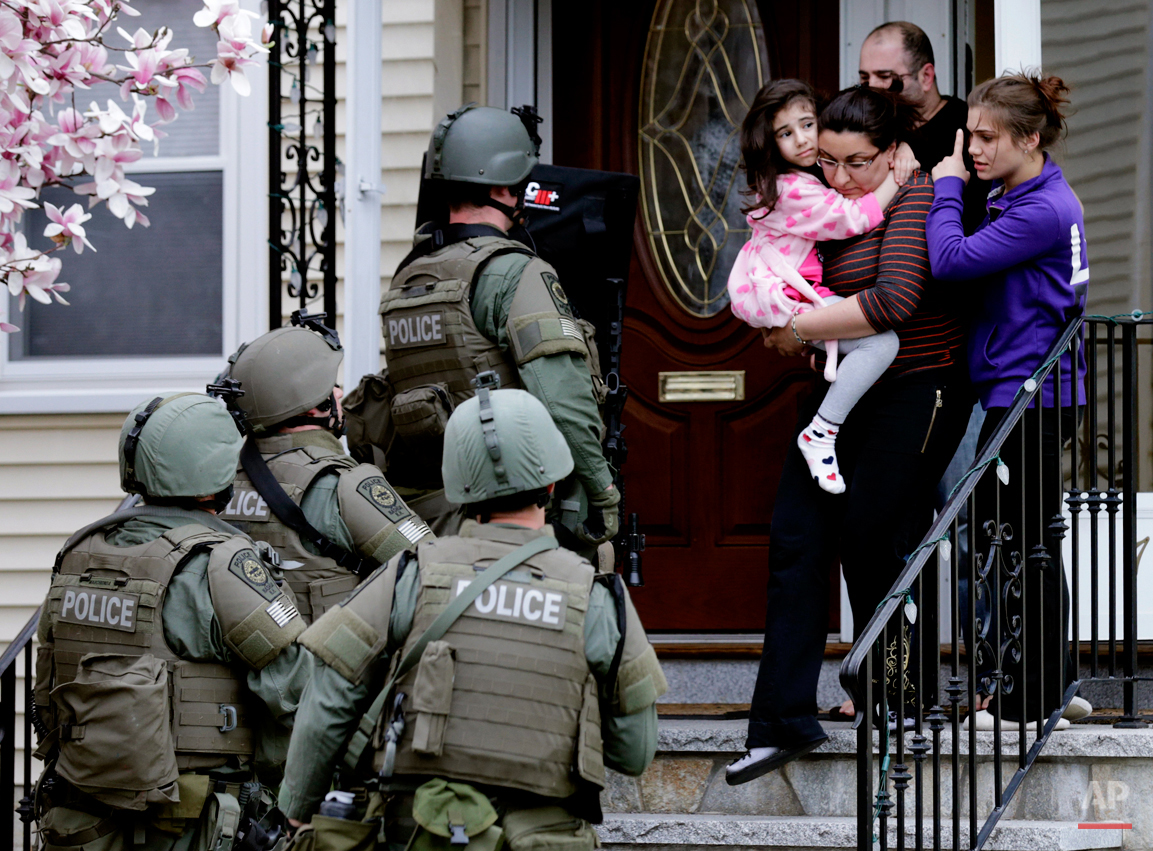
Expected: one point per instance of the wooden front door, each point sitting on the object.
(654, 88)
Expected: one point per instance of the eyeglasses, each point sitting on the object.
(893, 81)
(831, 165)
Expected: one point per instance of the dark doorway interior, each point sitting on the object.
(701, 475)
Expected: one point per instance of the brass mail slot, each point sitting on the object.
(701, 386)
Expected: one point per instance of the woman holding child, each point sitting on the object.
(1027, 269)
(890, 442)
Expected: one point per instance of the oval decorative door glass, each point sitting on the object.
(704, 61)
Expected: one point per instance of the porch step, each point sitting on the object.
(657, 832)
(728, 676)
(1089, 773)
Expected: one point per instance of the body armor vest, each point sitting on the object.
(429, 333)
(120, 700)
(506, 697)
(434, 350)
(317, 582)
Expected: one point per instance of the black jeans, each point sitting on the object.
(892, 450)
(1044, 603)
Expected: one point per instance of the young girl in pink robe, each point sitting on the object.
(777, 274)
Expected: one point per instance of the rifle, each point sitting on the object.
(630, 541)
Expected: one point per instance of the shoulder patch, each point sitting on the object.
(552, 283)
(249, 567)
(378, 492)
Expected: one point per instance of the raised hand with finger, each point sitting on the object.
(954, 164)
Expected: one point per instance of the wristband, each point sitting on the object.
(793, 326)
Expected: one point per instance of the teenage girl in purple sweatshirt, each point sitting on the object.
(1027, 267)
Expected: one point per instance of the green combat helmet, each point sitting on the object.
(501, 442)
(186, 445)
(481, 144)
(284, 373)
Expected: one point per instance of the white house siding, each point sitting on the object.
(59, 472)
(475, 51)
(1101, 49)
(409, 91)
(56, 474)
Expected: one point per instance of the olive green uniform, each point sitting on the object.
(342, 686)
(527, 335)
(351, 504)
(562, 381)
(202, 613)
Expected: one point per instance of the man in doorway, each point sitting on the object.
(898, 56)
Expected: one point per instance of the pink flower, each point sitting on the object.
(11, 193)
(215, 11)
(230, 65)
(67, 227)
(33, 273)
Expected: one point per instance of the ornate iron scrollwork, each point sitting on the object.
(704, 62)
(302, 162)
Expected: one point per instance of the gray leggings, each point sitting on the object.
(862, 362)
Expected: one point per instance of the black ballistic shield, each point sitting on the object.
(581, 222)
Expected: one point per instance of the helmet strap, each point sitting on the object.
(333, 422)
(488, 426)
(133, 440)
(336, 422)
(516, 214)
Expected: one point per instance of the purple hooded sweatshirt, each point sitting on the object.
(1029, 268)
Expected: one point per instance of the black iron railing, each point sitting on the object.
(302, 163)
(1013, 634)
(21, 644)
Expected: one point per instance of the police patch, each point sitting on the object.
(377, 491)
(418, 329)
(552, 283)
(247, 565)
(112, 609)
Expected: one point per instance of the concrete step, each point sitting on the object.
(731, 680)
(1089, 773)
(657, 832)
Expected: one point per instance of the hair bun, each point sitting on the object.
(1053, 91)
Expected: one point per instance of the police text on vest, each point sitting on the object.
(246, 504)
(516, 601)
(418, 329)
(113, 609)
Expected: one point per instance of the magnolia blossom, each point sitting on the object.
(33, 273)
(67, 227)
(51, 51)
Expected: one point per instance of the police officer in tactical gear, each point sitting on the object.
(167, 676)
(331, 519)
(469, 299)
(517, 672)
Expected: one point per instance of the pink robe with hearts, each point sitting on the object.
(764, 282)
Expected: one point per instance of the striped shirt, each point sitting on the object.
(888, 269)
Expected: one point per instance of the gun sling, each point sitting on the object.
(289, 513)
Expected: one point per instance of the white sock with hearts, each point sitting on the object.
(818, 445)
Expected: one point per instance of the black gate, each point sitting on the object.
(1006, 642)
(303, 169)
